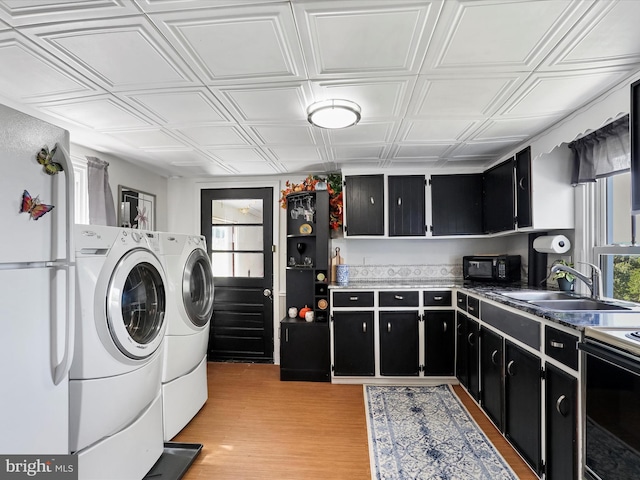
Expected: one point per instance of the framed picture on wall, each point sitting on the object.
(137, 208)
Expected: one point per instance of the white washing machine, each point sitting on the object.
(189, 309)
(115, 377)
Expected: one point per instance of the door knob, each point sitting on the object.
(266, 292)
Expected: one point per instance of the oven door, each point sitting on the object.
(612, 448)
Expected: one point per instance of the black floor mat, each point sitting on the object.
(174, 461)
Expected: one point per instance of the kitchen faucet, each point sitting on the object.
(594, 283)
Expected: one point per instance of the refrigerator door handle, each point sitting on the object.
(63, 321)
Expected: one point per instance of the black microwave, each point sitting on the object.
(492, 268)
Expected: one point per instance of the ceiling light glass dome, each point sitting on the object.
(333, 113)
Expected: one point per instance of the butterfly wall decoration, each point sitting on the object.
(45, 158)
(33, 206)
(141, 218)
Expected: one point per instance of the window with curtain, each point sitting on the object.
(602, 153)
(603, 157)
(619, 258)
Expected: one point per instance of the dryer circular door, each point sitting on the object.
(197, 288)
(136, 302)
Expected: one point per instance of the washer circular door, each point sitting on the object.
(136, 302)
(197, 288)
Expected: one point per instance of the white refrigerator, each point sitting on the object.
(36, 286)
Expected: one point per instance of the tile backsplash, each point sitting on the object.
(412, 273)
(377, 273)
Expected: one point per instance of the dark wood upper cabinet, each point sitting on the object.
(406, 205)
(523, 188)
(498, 200)
(364, 208)
(456, 204)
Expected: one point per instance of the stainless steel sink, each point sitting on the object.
(582, 304)
(532, 296)
(567, 302)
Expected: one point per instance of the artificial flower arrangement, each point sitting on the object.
(333, 182)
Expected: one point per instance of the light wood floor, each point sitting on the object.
(256, 427)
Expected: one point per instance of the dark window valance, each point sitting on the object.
(602, 153)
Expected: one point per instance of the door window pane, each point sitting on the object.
(232, 211)
(237, 264)
(236, 237)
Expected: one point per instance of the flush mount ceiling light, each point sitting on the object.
(333, 113)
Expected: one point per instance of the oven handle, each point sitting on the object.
(612, 355)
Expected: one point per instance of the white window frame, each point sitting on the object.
(81, 189)
(597, 196)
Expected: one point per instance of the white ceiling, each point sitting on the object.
(220, 87)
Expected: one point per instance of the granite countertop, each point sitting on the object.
(578, 320)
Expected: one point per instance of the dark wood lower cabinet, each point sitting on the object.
(492, 376)
(462, 352)
(523, 404)
(467, 357)
(439, 335)
(353, 343)
(399, 343)
(473, 335)
(561, 409)
(304, 351)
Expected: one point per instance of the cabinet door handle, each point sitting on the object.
(398, 297)
(493, 357)
(353, 299)
(372, 200)
(399, 201)
(510, 369)
(520, 184)
(286, 335)
(444, 326)
(555, 344)
(388, 327)
(460, 300)
(438, 298)
(471, 309)
(470, 338)
(364, 327)
(559, 403)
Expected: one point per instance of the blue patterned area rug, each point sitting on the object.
(426, 433)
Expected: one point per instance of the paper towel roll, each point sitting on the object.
(552, 244)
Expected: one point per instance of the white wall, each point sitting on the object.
(121, 172)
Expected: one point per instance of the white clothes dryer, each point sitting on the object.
(115, 376)
(189, 309)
